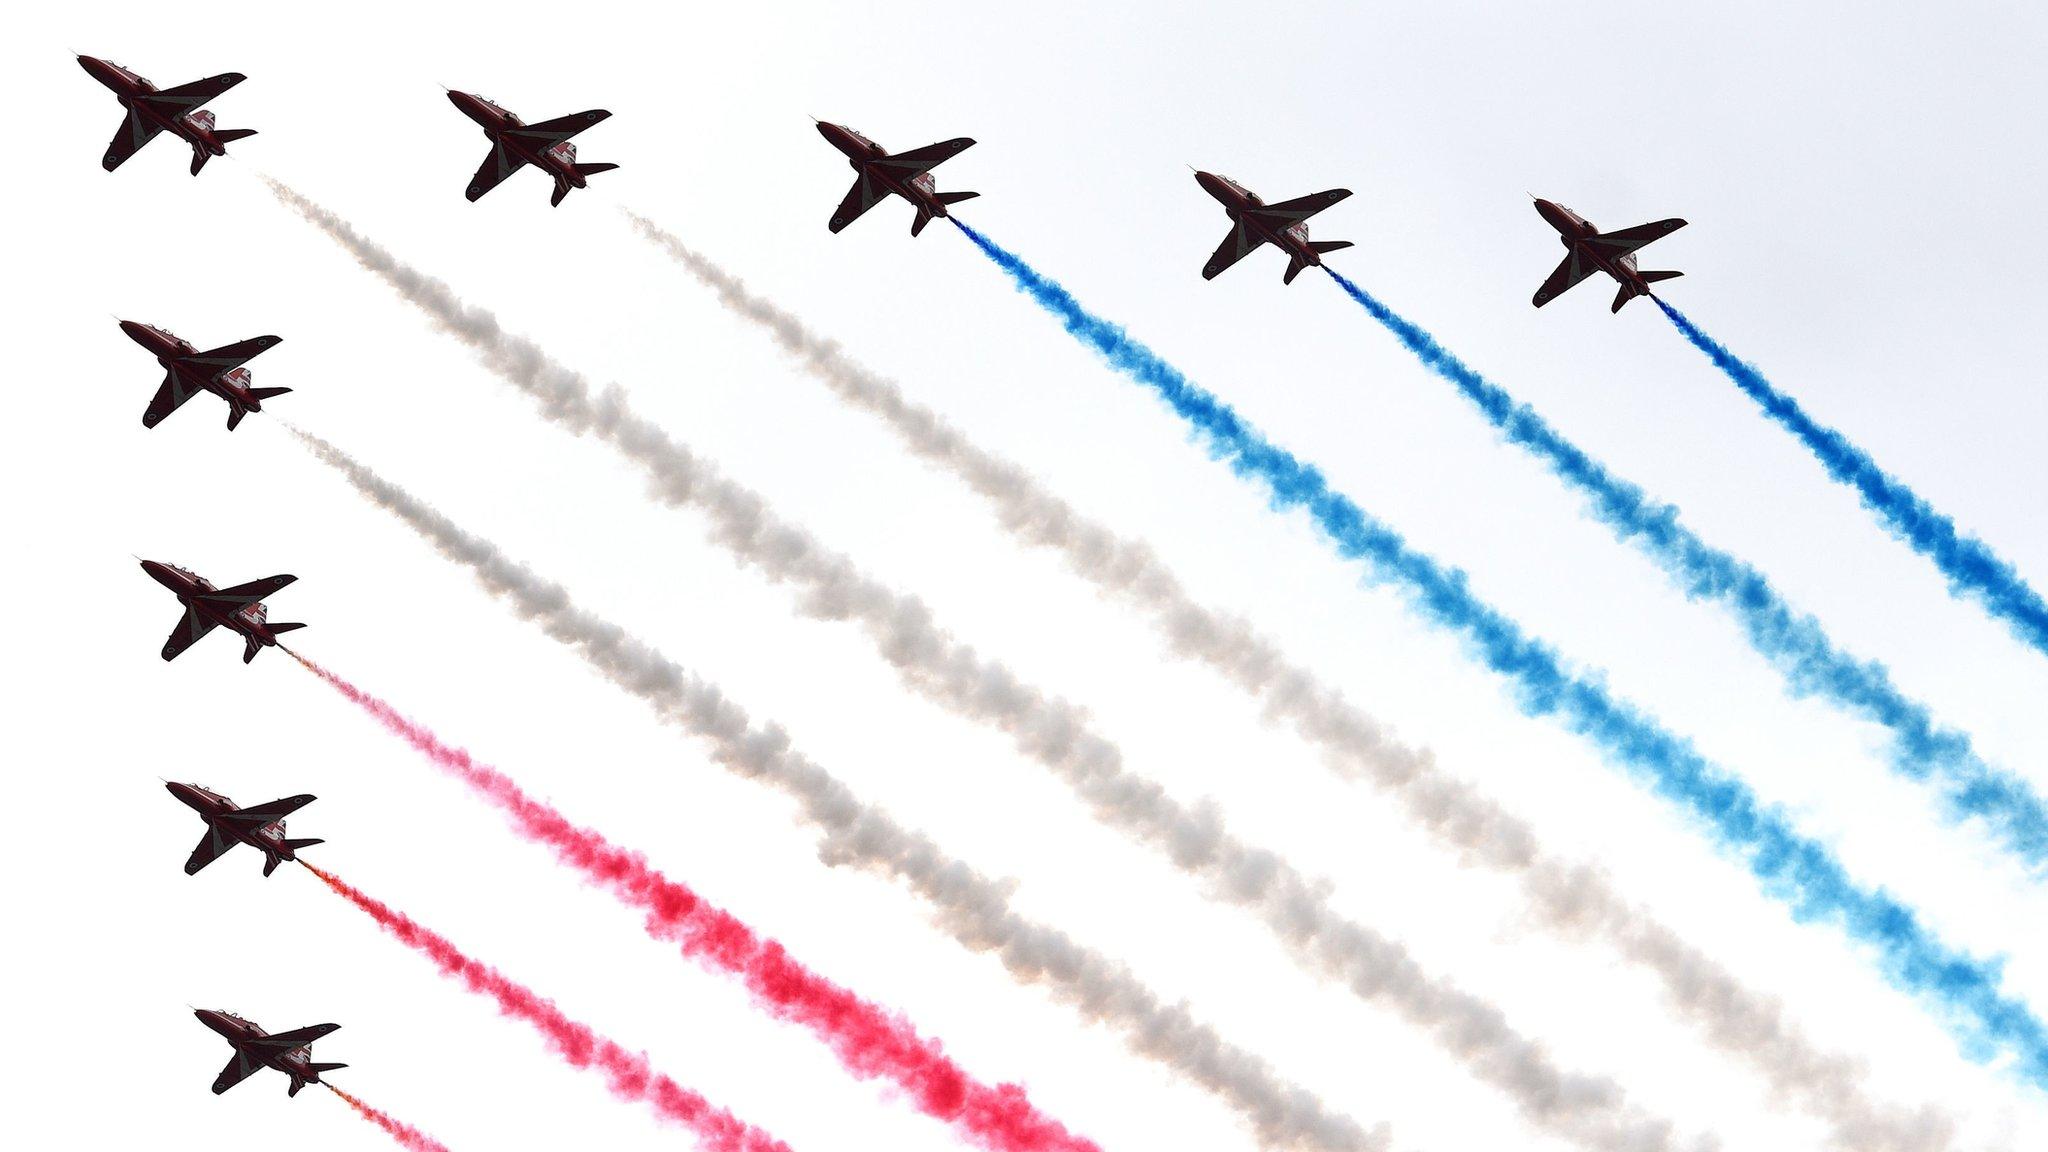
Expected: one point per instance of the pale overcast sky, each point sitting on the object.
(1864, 185)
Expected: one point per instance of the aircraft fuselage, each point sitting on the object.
(1574, 230)
(1292, 239)
(176, 355)
(558, 160)
(862, 153)
(247, 620)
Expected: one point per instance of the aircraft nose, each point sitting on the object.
(135, 331)
(161, 573)
(184, 792)
(1208, 181)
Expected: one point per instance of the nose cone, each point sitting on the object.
(190, 796)
(162, 574)
(97, 68)
(1554, 214)
(136, 332)
(839, 137)
(470, 105)
(1211, 183)
(218, 1021)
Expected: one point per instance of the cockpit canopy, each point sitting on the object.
(858, 135)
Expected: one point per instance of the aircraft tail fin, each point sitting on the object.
(1321, 246)
(956, 197)
(923, 218)
(593, 169)
(1294, 267)
(1653, 277)
(230, 135)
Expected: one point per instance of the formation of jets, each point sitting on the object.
(547, 146)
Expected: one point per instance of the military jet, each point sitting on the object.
(188, 372)
(260, 827)
(1254, 222)
(1591, 250)
(289, 1052)
(905, 174)
(515, 144)
(176, 110)
(239, 608)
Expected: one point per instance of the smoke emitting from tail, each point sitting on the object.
(1591, 1111)
(974, 908)
(630, 1074)
(1793, 642)
(1799, 871)
(870, 1041)
(1737, 1020)
(406, 1135)
(1972, 568)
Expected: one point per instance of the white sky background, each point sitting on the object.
(1864, 184)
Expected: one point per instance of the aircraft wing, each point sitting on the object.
(185, 97)
(208, 851)
(134, 132)
(560, 128)
(166, 401)
(1574, 269)
(248, 593)
(229, 356)
(1235, 247)
(186, 634)
(275, 810)
(1300, 208)
(865, 194)
(240, 1065)
(1629, 239)
(502, 162)
(918, 161)
(295, 1038)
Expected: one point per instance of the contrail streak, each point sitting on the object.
(630, 1074)
(1794, 643)
(1737, 1020)
(869, 1040)
(1587, 1110)
(1972, 568)
(1964, 989)
(406, 1135)
(974, 908)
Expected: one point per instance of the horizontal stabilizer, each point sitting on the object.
(286, 626)
(260, 394)
(593, 169)
(235, 413)
(1328, 245)
(270, 864)
(956, 197)
(923, 218)
(306, 842)
(1653, 277)
(561, 190)
(317, 1069)
(199, 158)
(1294, 267)
(1622, 297)
(250, 647)
(230, 135)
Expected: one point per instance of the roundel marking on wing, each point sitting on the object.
(590, 115)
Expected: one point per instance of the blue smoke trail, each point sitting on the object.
(1795, 644)
(1971, 566)
(1800, 872)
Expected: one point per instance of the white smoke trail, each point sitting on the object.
(1590, 1111)
(974, 908)
(1735, 1019)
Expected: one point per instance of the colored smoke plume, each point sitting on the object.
(1738, 1020)
(406, 1135)
(870, 1041)
(1793, 642)
(1972, 568)
(973, 907)
(629, 1074)
(1965, 990)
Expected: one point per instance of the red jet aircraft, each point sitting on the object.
(1592, 250)
(289, 1052)
(177, 110)
(261, 827)
(239, 608)
(515, 143)
(907, 174)
(1254, 222)
(188, 372)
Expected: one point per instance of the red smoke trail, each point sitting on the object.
(407, 1135)
(869, 1040)
(631, 1076)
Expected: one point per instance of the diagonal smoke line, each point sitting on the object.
(1590, 1111)
(407, 1136)
(1967, 991)
(1794, 643)
(974, 908)
(1739, 1021)
(631, 1075)
(1972, 568)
